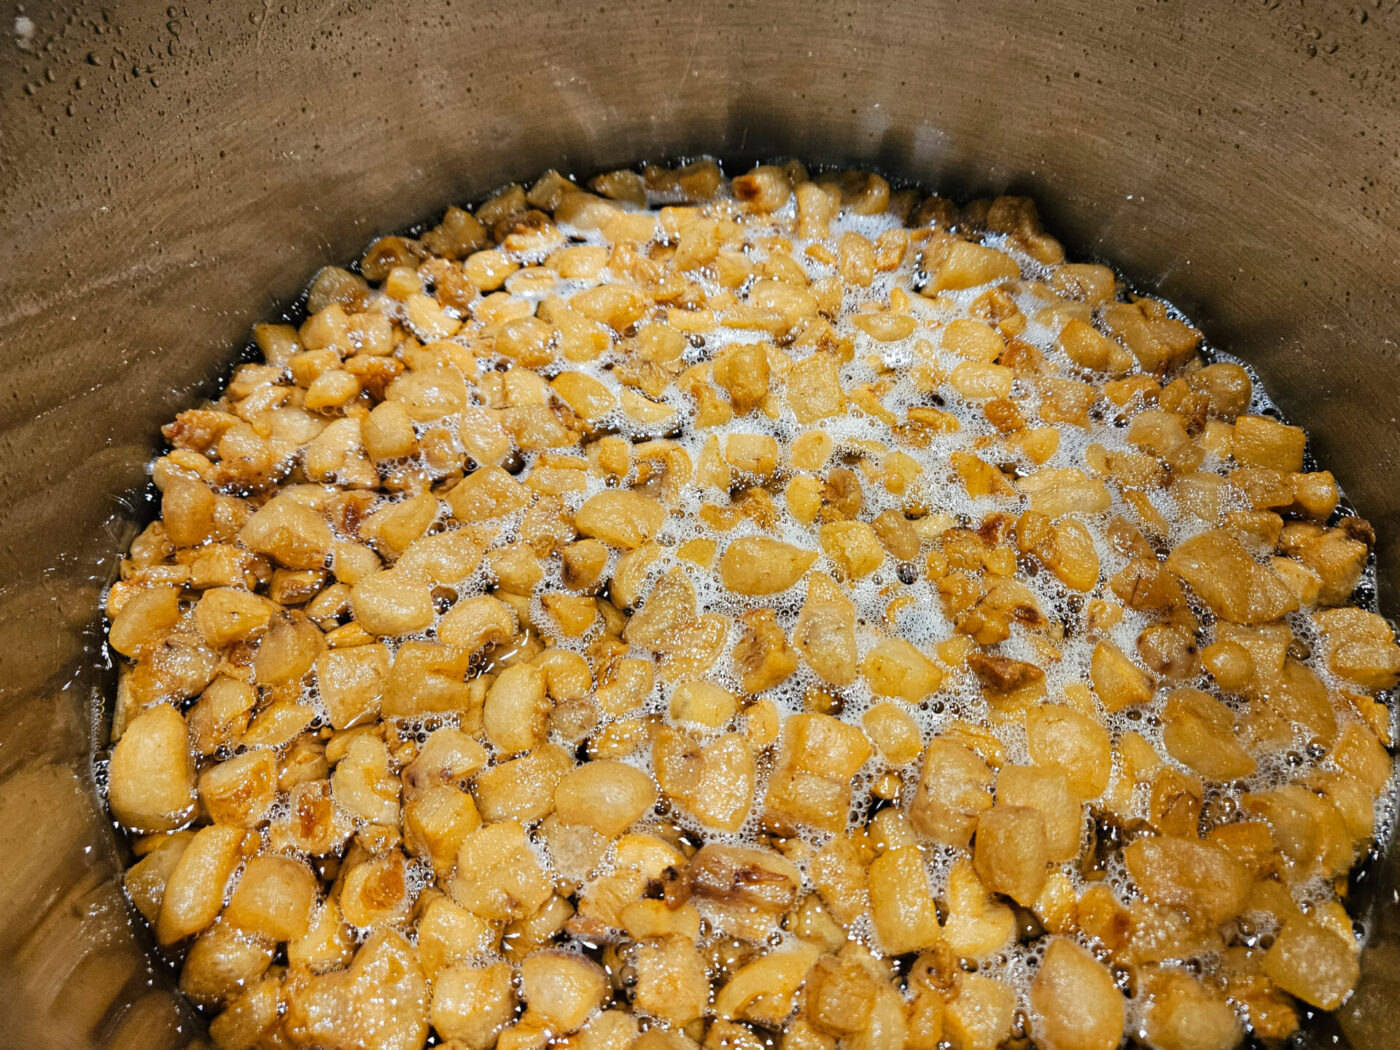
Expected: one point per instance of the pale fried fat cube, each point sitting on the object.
(1201, 879)
(1118, 681)
(1258, 441)
(894, 667)
(194, 892)
(672, 981)
(906, 918)
(1062, 738)
(239, 791)
(473, 1004)
(516, 709)
(1181, 1014)
(704, 702)
(757, 565)
(979, 1012)
(1010, 851)
(1312, 962)
(436, 821)
(954, 789)
(522, 788)
(381, 998)
(620, 518)
(1199, 732)
(150, 781)
(811, 783)
(1048, 792)
(825, 631)
(894, 732)
(605, 794)
(350, 682)
(762, 990)
(1224, 575)
(289, 531)
(1360, 647)
(222, 960)
(561, 989)
(273, 897)
(1074, 1001)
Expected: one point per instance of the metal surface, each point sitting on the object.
(170, 174)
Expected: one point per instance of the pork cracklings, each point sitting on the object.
(787, 611)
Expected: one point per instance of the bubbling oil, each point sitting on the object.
(921, 620)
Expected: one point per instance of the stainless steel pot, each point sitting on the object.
(171, 174)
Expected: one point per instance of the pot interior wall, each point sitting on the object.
(172, 174)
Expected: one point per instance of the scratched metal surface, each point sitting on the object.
(170, 174)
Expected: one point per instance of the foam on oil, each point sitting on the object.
(921, 620)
